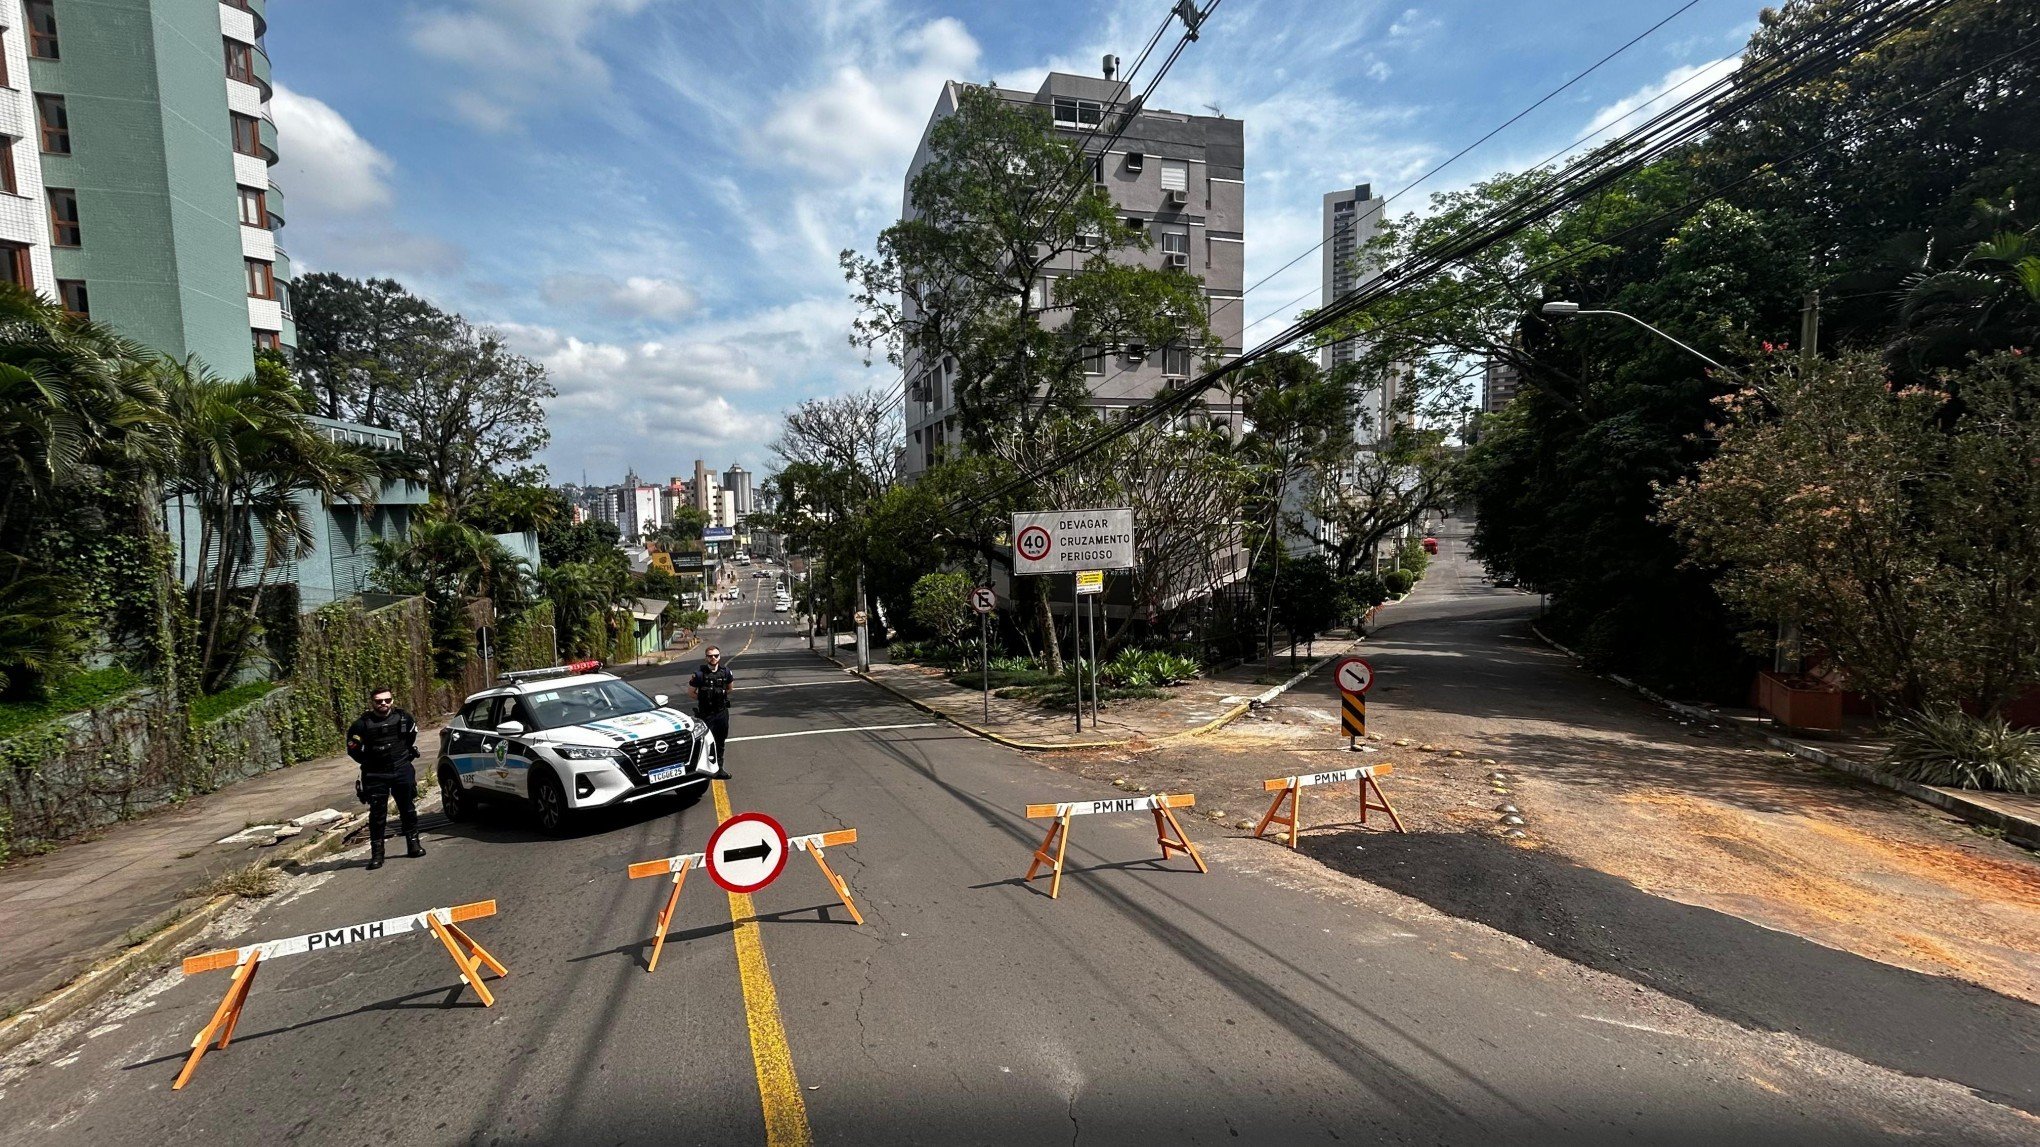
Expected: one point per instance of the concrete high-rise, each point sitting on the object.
(138, 155)
(1351, 219)
(737, 481)
(1180, 177)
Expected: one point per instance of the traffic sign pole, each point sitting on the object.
(985, 659)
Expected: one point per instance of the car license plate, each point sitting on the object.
(665, 774)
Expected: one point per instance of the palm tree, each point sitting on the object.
(244, 457)
(1990, 298)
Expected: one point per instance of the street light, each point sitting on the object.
(1559, 309)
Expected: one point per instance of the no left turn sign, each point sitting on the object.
(746, 852)
(1355, 675)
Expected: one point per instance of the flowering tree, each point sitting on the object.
(1902, 525)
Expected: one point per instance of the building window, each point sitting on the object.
(42, 29)
(240, 61)
(14, 266)
(1176, 182)
(247, 136)
(254, 208)
(71, 293)
(1094, 360)
(1041, 292)
(6, 81)
(8, 182)
(64, 228)
(1078, 113)
(56, 124)
(1175, 247)
(1176, 361)
(268, 340)
(261, 279)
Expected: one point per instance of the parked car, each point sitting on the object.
(566, 739)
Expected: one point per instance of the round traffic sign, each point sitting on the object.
(1033, 543)
(1355, 676)
(983, 599)
(746, 852)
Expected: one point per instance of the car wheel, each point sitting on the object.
(457, 802)
(548, 801)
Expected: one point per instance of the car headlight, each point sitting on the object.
(584, 753)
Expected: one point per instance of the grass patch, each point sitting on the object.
(206, 710)
(257, 879)
(77, 693)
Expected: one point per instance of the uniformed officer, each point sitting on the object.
(710, 687)
(384, 742)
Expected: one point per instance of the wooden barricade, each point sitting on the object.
(444, 923)
(1168, 830)
(1291, 790)
(681, 865)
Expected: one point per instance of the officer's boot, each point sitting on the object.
(414, 848)
(375, 852)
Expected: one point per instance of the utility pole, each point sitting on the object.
(863, 620)
(1787, 658)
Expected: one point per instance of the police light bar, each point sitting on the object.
(568, 669)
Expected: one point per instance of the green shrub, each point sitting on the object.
(1364, 589)
(1398, 582)
(208, 709)
(73, 694)
(1015, 665)
(1951, 748)
(1149, 669)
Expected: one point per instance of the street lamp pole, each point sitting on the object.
(1558, 309)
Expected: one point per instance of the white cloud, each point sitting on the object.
(518, 54)
(1678, 84)
(1412, 24)
(629, 297)
(867, 114)
(377, 249)
(325, 164)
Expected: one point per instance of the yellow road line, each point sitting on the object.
(786, 1123)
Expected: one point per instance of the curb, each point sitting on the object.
(1218, 722)
(2016, 829)
(167, 931)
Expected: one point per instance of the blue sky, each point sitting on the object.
(649, 195)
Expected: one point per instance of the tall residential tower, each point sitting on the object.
(137, 155)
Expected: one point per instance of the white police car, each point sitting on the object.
(570, 738)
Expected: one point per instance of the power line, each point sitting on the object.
(1669, 130)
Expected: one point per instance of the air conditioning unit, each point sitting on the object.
(1179, 197)
(1136, 351)
(1135, 161)
(1179, 258)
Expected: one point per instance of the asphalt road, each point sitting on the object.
(1149, 1004)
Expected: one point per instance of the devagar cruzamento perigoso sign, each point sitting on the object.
(1064, 541)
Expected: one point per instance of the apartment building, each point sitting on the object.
(1351, 219)
(135, 149)
(1498, 385)
(1181, 177)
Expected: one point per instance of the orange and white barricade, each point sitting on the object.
(1168, 830)
(679, 866)
(444, 923)
(1291, 789)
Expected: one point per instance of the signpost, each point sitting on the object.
(1084, 544)
(746, 852)
(984, 601)
(1355, 677)
(717, 533)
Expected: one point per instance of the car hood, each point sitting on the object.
(613, 731)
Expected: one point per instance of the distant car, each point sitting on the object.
(570, 738)
(1430, 545)
(781, 606)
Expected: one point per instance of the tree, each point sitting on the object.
(249, 467)
(518, 503)
(1900, 525)
(471, 411)
(451, 563)
(942, 605)
(1004, 266)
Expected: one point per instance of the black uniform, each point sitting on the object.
(384, 747)
(712, 702)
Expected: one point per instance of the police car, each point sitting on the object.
(570, 738)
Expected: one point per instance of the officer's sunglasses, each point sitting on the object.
(382, 701)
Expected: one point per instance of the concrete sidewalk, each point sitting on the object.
(1195, 706)
(68, 911)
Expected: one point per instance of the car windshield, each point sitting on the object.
(588, 701)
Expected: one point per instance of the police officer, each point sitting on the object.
(384, 742)
(710, 687)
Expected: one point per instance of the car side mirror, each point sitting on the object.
(659, 699)
(510, 728)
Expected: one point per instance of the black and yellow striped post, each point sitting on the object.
(1352, 717)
